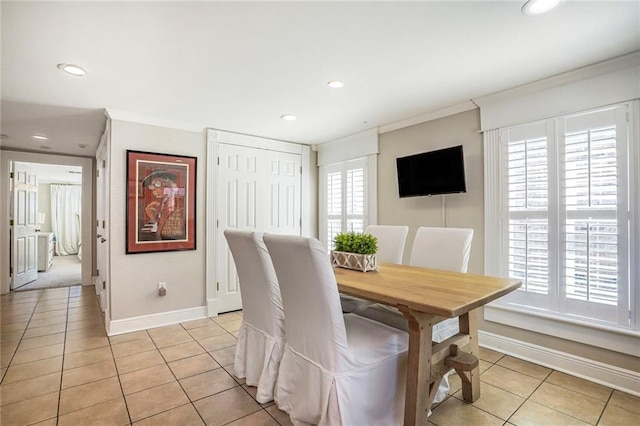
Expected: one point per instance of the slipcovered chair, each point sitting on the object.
(391, 239)
(261, 337)
(337, 369)
(437, 248)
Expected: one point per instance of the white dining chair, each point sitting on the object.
(391, 239)
(261, 337)
(337, 369)
(438, 248)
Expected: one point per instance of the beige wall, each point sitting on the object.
(463, 210)
(134, 277)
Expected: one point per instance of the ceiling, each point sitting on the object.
(239, 66)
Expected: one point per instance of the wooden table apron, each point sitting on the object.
(426, 297)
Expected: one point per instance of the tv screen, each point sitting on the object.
(432, 173)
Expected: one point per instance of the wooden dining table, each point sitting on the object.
(426, 297)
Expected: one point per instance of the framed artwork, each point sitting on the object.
(161, 202)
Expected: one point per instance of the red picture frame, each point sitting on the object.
(161, 202)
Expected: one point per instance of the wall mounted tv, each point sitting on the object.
(432, 173)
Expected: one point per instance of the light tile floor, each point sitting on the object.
(58, 367)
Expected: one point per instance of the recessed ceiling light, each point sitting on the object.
(40, 137)
(538, 7)
(335, 84)
(72, 69)
(289, 117)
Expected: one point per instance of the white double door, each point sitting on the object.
(258, 190)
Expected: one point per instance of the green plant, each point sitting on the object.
(356, 242)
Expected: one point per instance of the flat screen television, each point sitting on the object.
(432, 173)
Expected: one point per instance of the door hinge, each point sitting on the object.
(217, 286)
(97, 223)
(11, 175)
(10, 222)
(104, 285)
(98, 272)
(104, 164)
(98, 173)
(217, 224)
(218, 161)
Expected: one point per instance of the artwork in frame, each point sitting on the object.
(161, 202)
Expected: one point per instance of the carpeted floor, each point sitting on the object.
(65, 271)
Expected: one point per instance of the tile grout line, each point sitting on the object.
(22, 335)
(115, 364)
(64, 346)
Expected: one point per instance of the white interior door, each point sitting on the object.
(283, 194)
(25, 239)
(102, 230)
(258, 190)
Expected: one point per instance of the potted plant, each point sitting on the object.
(355, 250)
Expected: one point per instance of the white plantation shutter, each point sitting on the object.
(355, 198)
(343, 198)
(527, 193)
(565, 186)
(593, 214)
(334, 205)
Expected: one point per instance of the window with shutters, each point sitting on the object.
(567, 229)
(343, 199)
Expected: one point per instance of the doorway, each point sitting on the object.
(58, 226)
(86, 218)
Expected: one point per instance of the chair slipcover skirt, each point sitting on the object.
(374, 382)
(257, 360)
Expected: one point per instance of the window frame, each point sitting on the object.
(515, 313)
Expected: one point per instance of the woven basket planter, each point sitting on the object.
(359, 262)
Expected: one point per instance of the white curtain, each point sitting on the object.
(65, 218)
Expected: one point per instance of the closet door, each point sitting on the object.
(258, 190)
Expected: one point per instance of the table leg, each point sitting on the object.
(418, 396)
(471, 380)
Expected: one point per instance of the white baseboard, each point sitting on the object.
(144, 322)
(608, 375)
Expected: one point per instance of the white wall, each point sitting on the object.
(134, 277)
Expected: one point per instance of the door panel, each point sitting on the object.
(102, 228)
(25, 238)
(258, 190)
(285, 194)
(239, 177)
